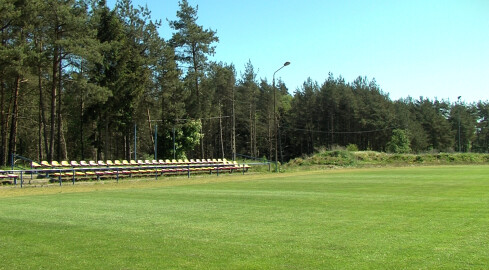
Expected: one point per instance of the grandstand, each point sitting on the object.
(115, 169)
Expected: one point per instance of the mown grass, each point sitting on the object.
(421, 217)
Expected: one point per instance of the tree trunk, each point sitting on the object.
(270, 140)
(254, 142)
(39, 136)
(127, 146)
(64, 150)
(82, 144)
(42, 110)
(332, 128)
(58, 113)
(13, 126)
(106, 139)
(202, 138)
(53, 102)
(233, 139)
(40, 154)
(220, 131)
(150, 128)
(3, 124)
(251, 133)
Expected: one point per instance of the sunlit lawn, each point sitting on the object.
(420, 217)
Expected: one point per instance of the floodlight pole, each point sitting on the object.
(275, 113)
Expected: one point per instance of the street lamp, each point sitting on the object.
(275, 114)
(459, 123)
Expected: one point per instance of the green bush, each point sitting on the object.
(399, 142)
(352, 147)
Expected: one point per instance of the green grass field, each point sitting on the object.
(417, 217)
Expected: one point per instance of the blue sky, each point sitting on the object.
(430, 48)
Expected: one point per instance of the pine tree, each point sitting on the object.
(399, 142)
(193, 45)
(481, 143)
(246, 111)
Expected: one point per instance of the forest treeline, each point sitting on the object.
(79, 80)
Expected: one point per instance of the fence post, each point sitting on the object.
(59, 177)
(73, 176)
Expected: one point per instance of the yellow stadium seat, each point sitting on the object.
(65, 163)
(84, 163)
(45, 164)
(54, 163)
(35, 164)
(74, 164)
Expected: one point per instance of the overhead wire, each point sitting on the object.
(338, 132)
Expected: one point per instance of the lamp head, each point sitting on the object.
(287, 63)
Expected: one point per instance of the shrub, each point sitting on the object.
(352, 147)
(337, 147)
(399, 142)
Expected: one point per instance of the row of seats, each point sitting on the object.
(5, 178)
(117, 168)
(74, 170)
(110, 163)
(104, 170)
(107, 172)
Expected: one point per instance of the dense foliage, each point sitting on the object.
(79, 80)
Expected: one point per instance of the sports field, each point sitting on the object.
(417, 218)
